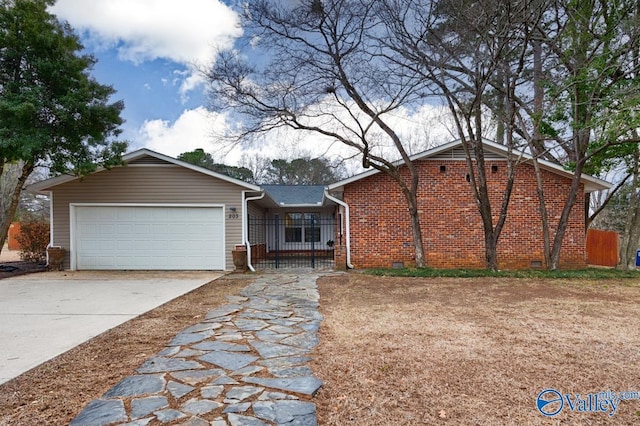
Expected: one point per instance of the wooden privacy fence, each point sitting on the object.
(602, 247)
(12, 239)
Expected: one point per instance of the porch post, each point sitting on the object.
(276, 222)
(313, 241)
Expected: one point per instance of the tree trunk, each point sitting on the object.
(629, 239)
(500, 106)
(581, 137)
(13, 191)
(536, 144)
(561, 228)
(484, 201)
(587, 207)
(410, 192)
(629, 260)
(416, 229)
(491, 251)
(544, 215)
(478, 181)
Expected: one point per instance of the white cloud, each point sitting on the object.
(193, 129)
(418, 129)
(197, 128)
(185, 32)
(421, 129)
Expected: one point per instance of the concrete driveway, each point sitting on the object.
(45, 314)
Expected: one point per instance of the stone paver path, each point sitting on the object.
(245, 364)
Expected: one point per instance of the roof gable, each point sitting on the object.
(453, 151)
(145, 157)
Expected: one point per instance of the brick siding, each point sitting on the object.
(451, 223)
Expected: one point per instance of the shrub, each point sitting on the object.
(33, 239)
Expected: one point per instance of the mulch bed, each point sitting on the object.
(12, 269)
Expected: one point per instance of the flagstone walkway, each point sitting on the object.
(245, 364)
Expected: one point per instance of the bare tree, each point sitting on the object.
(257, 163)
(586, 67)
(557, 75)
(474, 54)
(631, 234)
(325, 72)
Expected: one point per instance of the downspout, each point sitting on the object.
(245, 231)
(347, 224)
(50, 226)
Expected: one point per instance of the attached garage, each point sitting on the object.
(147, 237)
(152, 213)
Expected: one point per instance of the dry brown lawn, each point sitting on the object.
(398, 351)
(405, 351)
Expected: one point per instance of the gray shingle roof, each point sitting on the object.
(295, 194)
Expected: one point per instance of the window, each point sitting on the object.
(293, 227)
(312, 234)
(299, 227)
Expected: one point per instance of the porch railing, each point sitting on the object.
(285, 242)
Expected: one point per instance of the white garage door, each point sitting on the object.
(149, 237)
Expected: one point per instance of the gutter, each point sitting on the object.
(347, 224)
(245, 230)
(50, 226)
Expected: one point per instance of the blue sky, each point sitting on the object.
(146, 87)
(150, 52)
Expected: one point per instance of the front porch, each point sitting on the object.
(293, 240)
(293, 227)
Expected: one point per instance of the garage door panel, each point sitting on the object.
(86, 228)
(127, 237)
(105, 245)
(126, 228)
(103, 262)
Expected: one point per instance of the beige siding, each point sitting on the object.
(255, 210)
(148, 184)
(256, 233)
